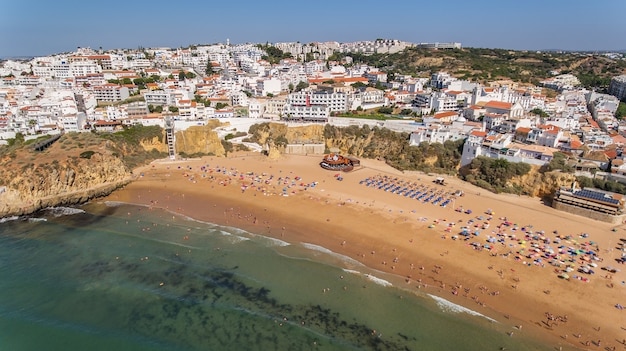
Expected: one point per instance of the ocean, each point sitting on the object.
(110, 276)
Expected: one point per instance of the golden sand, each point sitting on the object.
(408, 238)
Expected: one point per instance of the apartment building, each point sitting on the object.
(336, 102)
(158, 97)
(275, 106)
(306, 113)
(436, 133)
(83, 68)
(617, 87)
(110, 93)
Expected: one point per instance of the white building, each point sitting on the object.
(336, 102)
(110, 93)
(617, 87)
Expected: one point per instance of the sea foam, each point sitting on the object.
(448, 306)
(7, 219)
(378, 281)
(322, 249)
(63, 211)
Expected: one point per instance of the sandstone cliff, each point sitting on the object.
(76, 168)
(82, 166)
(51, 184)
(199, 140)
(543, 185)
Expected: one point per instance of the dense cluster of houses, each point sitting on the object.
(92, 89)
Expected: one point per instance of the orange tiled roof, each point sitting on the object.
(575, 144)
(478, 133)
(445, 114)
(499, 105)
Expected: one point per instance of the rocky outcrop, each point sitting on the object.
(155, 143)
(56, 183)
(199, 140)
(538, 184)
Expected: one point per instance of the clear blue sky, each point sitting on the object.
(42, 27)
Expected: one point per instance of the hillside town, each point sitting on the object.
(96, 90)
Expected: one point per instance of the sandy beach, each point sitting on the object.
(503, 259)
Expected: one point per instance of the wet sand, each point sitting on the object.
(409, 238)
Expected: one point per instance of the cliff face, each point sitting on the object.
(76, 168)
(76, 180)
(539, 184)
(199, 139)
(81, 166)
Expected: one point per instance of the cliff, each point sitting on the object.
(75, 169)
(75, 180)
(82, 166)
(200, 140)
(544, 185)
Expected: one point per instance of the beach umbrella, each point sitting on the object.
(564, 276)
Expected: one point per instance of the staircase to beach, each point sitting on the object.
(169, 135)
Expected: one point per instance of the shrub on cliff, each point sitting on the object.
(127, 144)
(135, 134)
(494, 174)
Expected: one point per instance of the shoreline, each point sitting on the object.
(76, 197)
(390, 238)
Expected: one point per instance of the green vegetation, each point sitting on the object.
(378, 143)
(135, 134)
(236, 135)
(301, 85)
(274, 54)
(155, 109)
(494, 174)
(621, 110)
(593, 70)
(209, 69)
(558, 162)
(87, 154)
(539, 112)
(602, 184)
(127, 144)
(195, 154)
(220, 105)
(18, 140)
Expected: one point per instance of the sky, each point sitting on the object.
(46, 27)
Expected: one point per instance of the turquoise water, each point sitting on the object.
(120, 277)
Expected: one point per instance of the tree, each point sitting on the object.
(385, 110)
(301, 85)
(173, 109)
(539, 112)
(190, 75)
(621, 111)
(140, 82)
(209, 69)
(181, 75)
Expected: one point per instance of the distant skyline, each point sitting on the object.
(43, 27)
